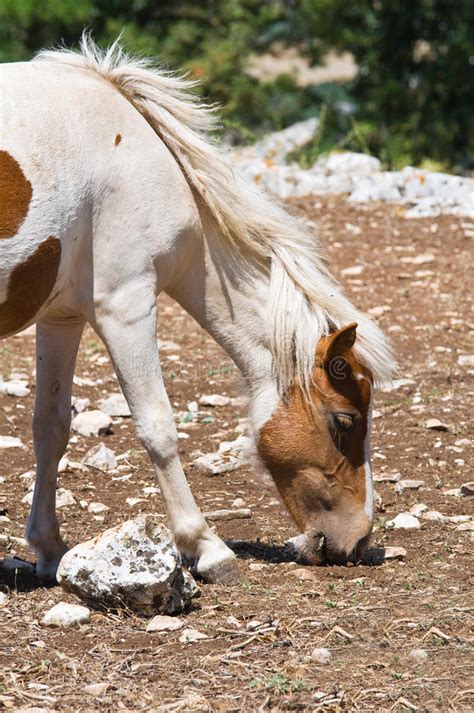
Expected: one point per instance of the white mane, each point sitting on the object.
(305, 303)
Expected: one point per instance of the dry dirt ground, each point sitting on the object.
(369, 617)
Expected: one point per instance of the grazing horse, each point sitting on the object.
(111, 191)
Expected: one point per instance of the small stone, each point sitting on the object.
(434, 424)
(305, 574)
(435, 516)
(395, 553)
(191, 635)
(214, 400)
(352, 271)
(101, 458)
(80, 405)
(387, 478)
(3, 600)
(96, 689)
(96, 508)
(466, 526)
(409, 485)
(115, 405)
(404, 521)
(132, 502)
(238, 503)
(466, 360)
(15, 387)
(65, 614)
(10, 442)
(164, 623)
(378, 502)
(418, 509)
(467, 489)
(216, 465)
(257, 566)
(321, 656)
(418, 656)
(91, 423)
(64, 498)
(193, 407)
(379, 311)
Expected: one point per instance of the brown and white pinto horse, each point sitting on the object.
(110, 193)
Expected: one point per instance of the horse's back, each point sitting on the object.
(60, 148)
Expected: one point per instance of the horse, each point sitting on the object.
(113, 190)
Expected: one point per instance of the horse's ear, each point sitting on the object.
(338, 343)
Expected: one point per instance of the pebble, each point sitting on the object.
(91, 423)
(16, 387)
(10, 442)
(191, 635)
(394, 553)
(101, 458)
(96, 689)
(80, 405)
(435, 516)
(321, 656)
(466, 360)
(64, 498)
(467, 489)
(434, 424)
(65, 614)
(466, 527)
(305, 574)
(97, 508)
(418, 509)
(409, 485)
(3, 600)
(238, 503)
(387, 478)
(164, 623)
(214, 400)
(418, 655)
(404, 521)
(115, 405)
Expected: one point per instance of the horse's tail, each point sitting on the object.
(305, 302)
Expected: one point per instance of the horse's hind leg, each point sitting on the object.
(56, 349)
(129, 333)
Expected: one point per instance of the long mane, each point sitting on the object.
(305, 302)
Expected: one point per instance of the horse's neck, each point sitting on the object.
(227, 294)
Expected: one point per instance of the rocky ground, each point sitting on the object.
(395, 636)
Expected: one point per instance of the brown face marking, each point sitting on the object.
(15, 195)
(318, 470)
(118, 139)
(29, 286)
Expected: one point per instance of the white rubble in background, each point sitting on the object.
(229, 456)
(425, 193)
(135, 565)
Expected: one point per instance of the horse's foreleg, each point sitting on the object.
(56, 349)
(133, 348)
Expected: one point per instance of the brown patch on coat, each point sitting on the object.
(29, 286)
(15, 196)
(319, 471)
(118, 139)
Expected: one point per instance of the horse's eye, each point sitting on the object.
(343, 421)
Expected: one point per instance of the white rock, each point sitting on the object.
(214, 400)
(396, 384)
(394, 553)
(277, 145)
(101, 458)
(435, 516)
(418, 655)
(407, 484)
(387, 478)
(238, 503)
(80, 405)
(418, 509)
(215, 464)
(3, 600)
(349, 162)
(434, 424)
(10, 442)
(191, 635)
(97, 508)
(466, 527)
(193, 407)
(352, 271)
(91, 423)
(136, 564)
(16, 387)
(164, 623)
(404, 521)
(65, 614)
(115, 405)
(466, 360)
(131, 502)
(321, 656)
(64, 498)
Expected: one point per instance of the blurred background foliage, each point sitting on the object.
(410, 102)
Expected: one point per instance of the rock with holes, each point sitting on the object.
(135, 565)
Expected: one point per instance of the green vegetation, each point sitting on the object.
(411, 101)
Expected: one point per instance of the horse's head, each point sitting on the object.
(317, 451)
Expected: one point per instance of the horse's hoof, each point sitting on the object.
(226, 572)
